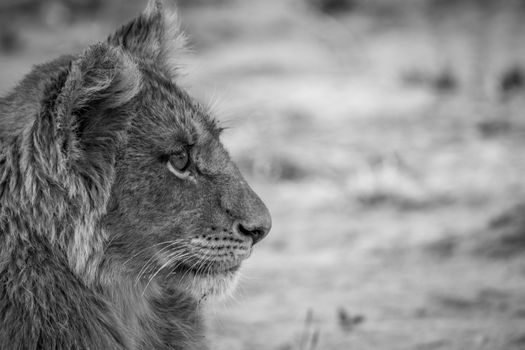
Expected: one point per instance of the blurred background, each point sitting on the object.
(386, 137)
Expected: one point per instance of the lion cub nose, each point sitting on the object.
(255, 232)
(258, 226)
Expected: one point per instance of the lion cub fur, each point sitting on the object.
(86, 203)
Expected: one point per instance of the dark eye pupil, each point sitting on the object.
(180, 160)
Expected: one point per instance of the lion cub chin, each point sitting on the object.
(217, 287)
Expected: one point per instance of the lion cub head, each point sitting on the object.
(124, 172)
(180, 213)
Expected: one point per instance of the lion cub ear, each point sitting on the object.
(102, 74)
(89, 106)
(155, 36)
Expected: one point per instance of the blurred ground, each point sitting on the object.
(386, 138)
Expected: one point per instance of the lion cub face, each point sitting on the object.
(180, 213)
(179, 207)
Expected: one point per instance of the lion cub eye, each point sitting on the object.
(178, 163)
(179, 160)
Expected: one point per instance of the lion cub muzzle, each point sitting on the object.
(242, 220)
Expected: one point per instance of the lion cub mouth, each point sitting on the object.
(213, 272)
(209, 264)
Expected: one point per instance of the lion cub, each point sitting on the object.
(119, 207)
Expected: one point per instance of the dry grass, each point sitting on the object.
(374, 169)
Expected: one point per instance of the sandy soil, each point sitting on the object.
(382, 182)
